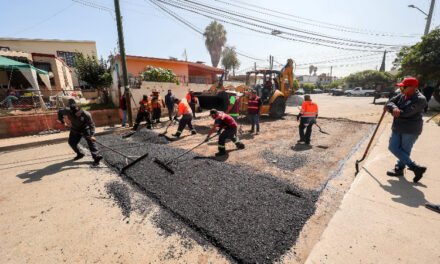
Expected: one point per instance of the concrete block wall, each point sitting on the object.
(24, 125)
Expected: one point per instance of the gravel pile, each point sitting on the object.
(253, 218)
(285, 162)
(148, 136)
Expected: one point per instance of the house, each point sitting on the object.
(65, 50)
(60, 75)
(312, 79)
(186, 71)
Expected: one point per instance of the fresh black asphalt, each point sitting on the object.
(251, 217)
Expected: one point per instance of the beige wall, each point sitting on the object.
(49, 46)
(62, 73)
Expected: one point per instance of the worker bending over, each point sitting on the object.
(143, 113)
(183, 110)
(81, 125)
(307, 117)
(226, 126)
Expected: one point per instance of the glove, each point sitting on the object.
(207, 139)
(175, 118)
(298, 117)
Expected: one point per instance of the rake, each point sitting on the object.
(165, 165)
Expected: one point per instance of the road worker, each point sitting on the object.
(157, 104)
(233, 106)
(226, 126)
(143, 113)
(307, 117)
(81, 125)
(192, 101)
(183, 110)
(254, 110)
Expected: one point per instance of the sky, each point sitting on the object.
(149, 31)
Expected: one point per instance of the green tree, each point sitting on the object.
(370, 79)
(215, 39)
(423, 59)
(295, 84)
(337, 83)
(309, 86)
(92, 71)
(230, 60)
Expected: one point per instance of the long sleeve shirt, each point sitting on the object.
(411, 108)
(81, 121)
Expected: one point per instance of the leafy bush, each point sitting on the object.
(152, 74)
(309, 86)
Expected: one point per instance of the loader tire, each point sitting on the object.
(278, 108)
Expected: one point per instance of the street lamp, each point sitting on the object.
(428, 16)
(413, 6)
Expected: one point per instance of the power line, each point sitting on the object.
(316, 23)
(240, 15)
(43, 20)
(202, 13)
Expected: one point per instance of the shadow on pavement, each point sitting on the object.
(301, 147)
(405, 191)
(36, 175)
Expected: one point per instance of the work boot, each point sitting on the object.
(251, 131)
(135, 127)
(177, 135)
(96, 160)
(79, 156)
(221, 152)
(301, 141)
(239, 145)
(193, 132)
(396, 172)
(418, 172)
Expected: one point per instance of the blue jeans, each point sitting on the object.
(400, 145)
(255, 121)
(124, 117)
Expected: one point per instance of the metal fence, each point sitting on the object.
(45, 99)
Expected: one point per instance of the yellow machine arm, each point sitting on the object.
(287, 72)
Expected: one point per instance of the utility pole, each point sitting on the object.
(382, 66)
(428, 19)
(255, 66)
(331, 72)
(123, 62)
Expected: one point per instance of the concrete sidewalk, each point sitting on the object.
(382, 219)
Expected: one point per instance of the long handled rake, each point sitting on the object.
(369, 143)
(165, 165)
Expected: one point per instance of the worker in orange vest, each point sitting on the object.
(192, 101)
(307, 117)
(143, 113)
(157, 104)
(183, 110)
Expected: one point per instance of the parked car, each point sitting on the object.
(317, 91)
(337, 92)
(300, 92)
(359, 91)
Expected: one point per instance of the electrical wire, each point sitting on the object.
(254, 19)
(193, 10)
(317, 23)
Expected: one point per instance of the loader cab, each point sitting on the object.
(265, 82)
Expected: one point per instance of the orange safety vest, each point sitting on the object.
(309, 109)
(183, 108)
(144, 105)
(156, 103)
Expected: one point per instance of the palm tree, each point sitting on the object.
(215, 39)
(315, 69)
(311, 68)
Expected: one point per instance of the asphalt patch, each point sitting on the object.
(121, 194)
(251, 217)
(288, 162)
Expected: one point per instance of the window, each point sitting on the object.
(68, 57)
(45, 67)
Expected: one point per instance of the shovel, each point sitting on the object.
(320, 130)
(165, 165)
(369, 143)
(166, 129)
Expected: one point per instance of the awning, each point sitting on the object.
(29, 72)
